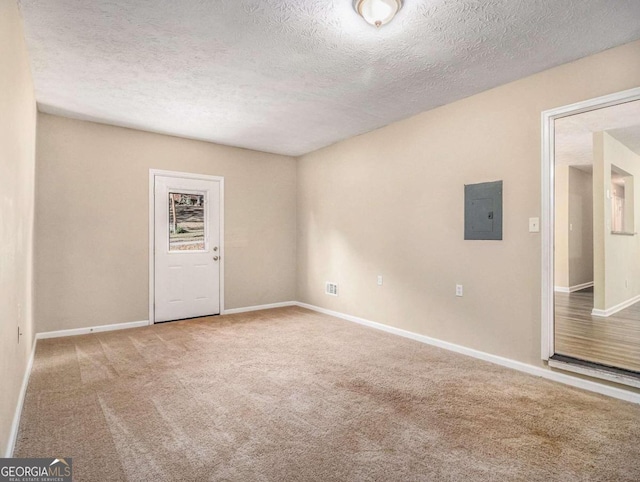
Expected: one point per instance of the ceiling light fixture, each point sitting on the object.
(377, 12)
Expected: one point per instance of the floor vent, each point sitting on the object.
(331, 289)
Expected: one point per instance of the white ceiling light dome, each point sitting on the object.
(377, 12)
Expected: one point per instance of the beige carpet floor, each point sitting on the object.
(289, 394)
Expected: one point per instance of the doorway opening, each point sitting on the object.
(591, 252)
(186, 245)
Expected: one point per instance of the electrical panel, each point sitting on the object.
(483, 211)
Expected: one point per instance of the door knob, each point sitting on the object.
(215, 258)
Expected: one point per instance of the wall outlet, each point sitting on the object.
(379, 280)
(459, 290)
(331, 288)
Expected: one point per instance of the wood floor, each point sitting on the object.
(612, 341)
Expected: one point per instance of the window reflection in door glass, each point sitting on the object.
(186, 222)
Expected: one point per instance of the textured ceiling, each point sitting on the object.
(574, 134)
(291, 76)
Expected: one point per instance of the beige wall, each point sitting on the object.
(92, 220)
(573, 262)
(17, 158)
(561, 229)
(618, 277)
(390, 202)
(580, 227)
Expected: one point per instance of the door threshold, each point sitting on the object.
(185, 319)
(604, 372)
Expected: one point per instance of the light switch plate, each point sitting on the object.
(534, 225)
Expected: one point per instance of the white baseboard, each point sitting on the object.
(616, 308)
(15, 425)
(506, 362)
(571, 289)
(92, 329)
(259, 307)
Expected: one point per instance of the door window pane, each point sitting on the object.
(186, 222)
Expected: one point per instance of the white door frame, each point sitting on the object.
(548, 202)
(182, 175)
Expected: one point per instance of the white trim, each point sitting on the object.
(152, 249)
(546, 225)
(547, 148)
(498, 360)
(594, 372)
(260, 307)
(581, 286)
(182, 175)
(222, 251)
(91, 329)
(616, 308)
(15, 425)
(571, 289)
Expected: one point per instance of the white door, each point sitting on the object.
(187, 248)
